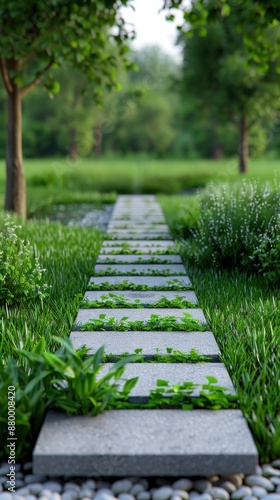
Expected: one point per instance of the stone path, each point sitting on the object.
(150, 442)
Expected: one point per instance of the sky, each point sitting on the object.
(151, 26)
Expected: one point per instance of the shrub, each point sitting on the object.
(20, 272)
(238, 227)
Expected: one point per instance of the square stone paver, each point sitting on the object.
(150, 281)
(117, 343)
(138, 269)
(145, 443)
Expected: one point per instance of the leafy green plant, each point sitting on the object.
(180, 396)
(155, 322)
(114, 301)
(139, 260)
(175, 284)
(171, 356)
(20, 272)
(69, 379)
(109, 271)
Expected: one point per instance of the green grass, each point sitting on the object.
(242, 310)
(68, 255)
(61, 181)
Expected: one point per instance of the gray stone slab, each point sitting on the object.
(145, 298)
(133, 226)
(175, 373)
(117, 343)
(150, 281)
(145, 443)
(137, 259)
(138, 236)
(85, 315)
(147, 250)
(139, 244)
(137, 269)
(139, 218)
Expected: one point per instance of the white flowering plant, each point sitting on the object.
(239, 227)
(20, 272)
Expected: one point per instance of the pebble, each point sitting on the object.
(241, 492)
(45, 492)
(3, 479)
(272, 496)
(278, 489)
(6, 496)
(259, 491)
(55, 496)
(121, 486)
(227, 485)
(70, 495)
(34, 478)
(250, 497)
(18, 497)
(175, 497)
(53, 486)
(73, 487)
(144, 495)
(23, 491)
(104, 496)
(259, 471)
(126, 496)
(218, 493)
(275, 480)
(235, 479)
(30, 497)
(136, 489)
(86, 492)
(181, 493)
(90, 483)
(43, 497)
(4, 469)
(276, 463)
(205, 496)
(201, 485)
(183, 484)
(1, 487)
(194, 494)
(269, 471)
(163, 493)
(19, 484)
(104, 490)
(259, 481)
(35, 488)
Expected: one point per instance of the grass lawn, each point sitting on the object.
(62, 181)
(242, 309)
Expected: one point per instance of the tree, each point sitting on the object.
(37, 35)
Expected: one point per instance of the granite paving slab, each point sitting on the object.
(85, 315)
(144, 250)
(150, 281)
(137, 259)
(138, 236)
(138, 227)
(138, 244)
(145, 298)
(145, 443)
(117, 343)
(174, 373)
(137, 269)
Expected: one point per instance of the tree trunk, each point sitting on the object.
(217, 149)
(73, 150)
(15, 197)
(243, 148)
